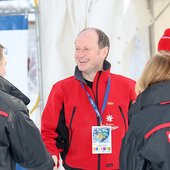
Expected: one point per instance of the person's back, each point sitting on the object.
(146, 145)
(20, 140)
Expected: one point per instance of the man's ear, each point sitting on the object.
(105, 51)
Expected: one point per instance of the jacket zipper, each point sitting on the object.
(123, 118)
(70, 126)
(96, 101)
(96, 98)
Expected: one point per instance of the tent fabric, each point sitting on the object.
(61, 20)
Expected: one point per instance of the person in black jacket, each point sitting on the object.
(146, 145)
(20, 139)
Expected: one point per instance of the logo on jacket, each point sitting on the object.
(168, 135)
(109, 118)
(110, 103)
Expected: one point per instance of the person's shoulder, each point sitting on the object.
(64, 81)
(68, 81)
(122, 79)
(3, 113)
(11, 103)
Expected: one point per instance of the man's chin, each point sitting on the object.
(82, 68)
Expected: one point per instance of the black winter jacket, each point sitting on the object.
(20, 140)
(146, 145)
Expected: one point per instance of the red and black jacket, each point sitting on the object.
(147, 143)
(68, 118)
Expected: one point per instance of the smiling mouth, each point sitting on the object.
(83, 61)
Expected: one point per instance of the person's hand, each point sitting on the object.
(55, 159)
(55, 168)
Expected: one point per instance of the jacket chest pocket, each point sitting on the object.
(80, 116)
(116, 117)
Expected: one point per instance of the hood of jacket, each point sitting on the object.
(155, 94)
(151, 108)
(9, 88)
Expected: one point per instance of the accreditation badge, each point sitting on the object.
(101, 139)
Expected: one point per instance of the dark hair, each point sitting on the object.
(103, 40)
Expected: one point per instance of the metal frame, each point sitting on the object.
(9, 7)
(151, 28)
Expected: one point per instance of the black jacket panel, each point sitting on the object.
(149, 115)
(20, 139)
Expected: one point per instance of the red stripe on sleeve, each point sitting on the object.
(168, 135)
(167, 102)
(156, 129)
(3, 113)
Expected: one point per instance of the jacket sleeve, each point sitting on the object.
(132, 98)
(132, 92)
(26, 145)
(50, 119)
(156, 150)
(130, 159)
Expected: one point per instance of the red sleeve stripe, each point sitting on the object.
(156, 129)
(3, 113)
(167, 102)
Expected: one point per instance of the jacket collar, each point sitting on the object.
(155, 94)
(78, 74)
(9, 88)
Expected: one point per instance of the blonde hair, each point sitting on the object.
(156, 70)
(165, 53)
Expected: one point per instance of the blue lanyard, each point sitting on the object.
(104, 102)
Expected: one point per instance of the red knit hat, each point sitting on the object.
(164, 42)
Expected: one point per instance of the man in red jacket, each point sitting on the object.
(85, 117)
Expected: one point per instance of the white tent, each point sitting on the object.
(129, 24)
(133, 26)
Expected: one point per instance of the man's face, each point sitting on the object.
(88, 56)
